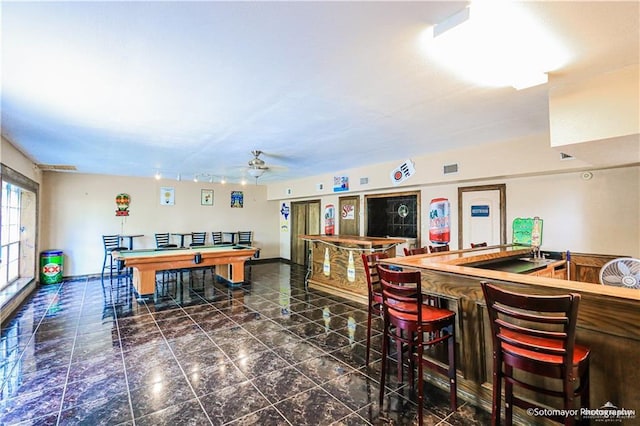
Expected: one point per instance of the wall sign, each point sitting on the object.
(340, 183)
(479, 211)
(403, 172)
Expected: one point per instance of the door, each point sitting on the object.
(305, 219)
(349, 211)
(481, 215)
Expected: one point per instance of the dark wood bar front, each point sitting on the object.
(608, 322)
(335, 264)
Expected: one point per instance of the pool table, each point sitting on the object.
(146, 263)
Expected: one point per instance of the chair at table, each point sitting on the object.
(476, 245)
(163, 240)
(111, 243)
(416, 250)
(536, 335)
(198, 239)
(374, 307)
(417, 325)
(216, 237)
(436, 249)
(245, 238)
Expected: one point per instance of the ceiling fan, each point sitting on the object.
(257, 166)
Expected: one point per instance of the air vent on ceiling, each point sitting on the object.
(564, 156)
(450, 168)
(56, 168)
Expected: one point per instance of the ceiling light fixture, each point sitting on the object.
(495, 43)
(255, 172)
(158, 176)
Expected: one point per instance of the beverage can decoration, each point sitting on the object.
(122, 201)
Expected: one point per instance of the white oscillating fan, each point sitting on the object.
(623, 272)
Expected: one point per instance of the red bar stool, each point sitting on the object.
(416, 325)
(374, 291)
(536, 335)
(436, 249)
(416, 250)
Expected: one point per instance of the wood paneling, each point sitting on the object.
(586, 267)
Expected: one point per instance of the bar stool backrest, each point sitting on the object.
(436, 249)
(198, 238)
(417, 250)
(245, 238)
(216, 237)
(163, 240)
(112, 243)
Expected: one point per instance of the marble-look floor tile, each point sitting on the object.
(231, 403)
(323, 368)
(211, 378)
(266, 417)
(282, 384)
(158, 393)
(313, 407)
(112, 409)
(258, 363)
(256, 354)
(189, 413)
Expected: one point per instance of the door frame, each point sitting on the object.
(503, 208)
(306, 227)
(356, 212)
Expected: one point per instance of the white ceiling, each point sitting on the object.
(131, 88)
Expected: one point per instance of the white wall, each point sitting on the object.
(601, 215)
(80, 208)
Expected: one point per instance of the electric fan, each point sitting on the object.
(623, 272)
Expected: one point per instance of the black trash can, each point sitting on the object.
(51, 264)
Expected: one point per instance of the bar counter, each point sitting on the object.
(335, 263)
(608, 322)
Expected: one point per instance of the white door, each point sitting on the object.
(481, 217)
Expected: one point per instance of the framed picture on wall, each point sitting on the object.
(206, 197)
(167, 196)
(237, 199)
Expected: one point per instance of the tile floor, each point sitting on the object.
(268, 353)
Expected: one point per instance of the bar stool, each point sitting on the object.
(436, 249)
(476, 245)
(415, 250)
(417, 325)
(536, 334)
(374, 291)
(111, 243)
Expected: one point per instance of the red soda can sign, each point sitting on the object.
(439, 216)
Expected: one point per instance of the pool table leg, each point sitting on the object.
(233, 272)
(144, 281)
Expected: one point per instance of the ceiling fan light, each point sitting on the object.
(255, 172)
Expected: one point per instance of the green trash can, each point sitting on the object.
(51, 264)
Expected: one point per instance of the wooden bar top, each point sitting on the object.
(354, 239)
(455, 261)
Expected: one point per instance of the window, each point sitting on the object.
(10, 234)
(18, 233)
(393, 215)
